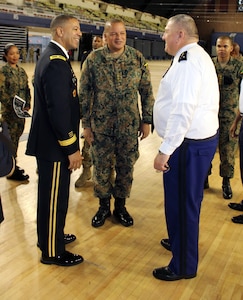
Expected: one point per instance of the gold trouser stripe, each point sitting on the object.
(53, 209)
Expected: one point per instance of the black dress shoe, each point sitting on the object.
(227, 191)
(69, 238)
(165, 273)
(236, 206)
(238, 219)
(166, 244)
(123, 217)
(100, 217)
(66, 259)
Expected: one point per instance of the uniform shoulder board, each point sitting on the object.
(146, 65)
(58, 57)
(183, 56)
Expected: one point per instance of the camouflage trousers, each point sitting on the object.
(87, 161)
(103, 150)
(227, 149)
(15, 129)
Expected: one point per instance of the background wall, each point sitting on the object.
(218, 16)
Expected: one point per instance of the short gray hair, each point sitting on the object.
(186, 22)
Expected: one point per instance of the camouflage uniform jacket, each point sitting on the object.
(114, 84)
(229, 78)
(13, 82)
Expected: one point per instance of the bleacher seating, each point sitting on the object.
(99, 16)
(89, 15)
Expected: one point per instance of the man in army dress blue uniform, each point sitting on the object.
(54, 139)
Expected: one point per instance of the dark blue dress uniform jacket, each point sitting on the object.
(54, 132)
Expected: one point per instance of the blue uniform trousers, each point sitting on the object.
(183, 187)
(53, 195)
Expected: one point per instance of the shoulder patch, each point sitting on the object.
(183, 56)
(58, 57)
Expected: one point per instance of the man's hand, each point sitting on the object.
(88, 135)
(161, 162)
(233, 129)
(144, 130)
(75, 161)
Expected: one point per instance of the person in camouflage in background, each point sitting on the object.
(13, 81)
(111, 120)
(97, 42)
(31, 54)
(230, 72)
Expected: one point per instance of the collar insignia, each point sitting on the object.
(183, 56)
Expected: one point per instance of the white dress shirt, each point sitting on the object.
(188, 99)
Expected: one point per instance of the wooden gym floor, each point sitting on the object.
(118, 261)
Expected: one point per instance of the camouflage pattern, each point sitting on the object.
(229, 78)
(13, 82)
(113, 114)
(87, 161)
(126, 154)
(31, 54)
(23, 55)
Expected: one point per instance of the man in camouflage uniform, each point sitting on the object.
(111, 120)
(230, 72)
(31, 54)
(23, 54)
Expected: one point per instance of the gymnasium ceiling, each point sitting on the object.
(164, 8)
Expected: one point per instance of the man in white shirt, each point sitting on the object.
(186, 118)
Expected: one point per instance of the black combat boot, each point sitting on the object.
(227, 191)
(102, 213)
(121, 214)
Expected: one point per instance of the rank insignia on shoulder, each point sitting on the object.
(58, 57)
(183, 56)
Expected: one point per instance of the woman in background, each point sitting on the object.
(13, 81)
